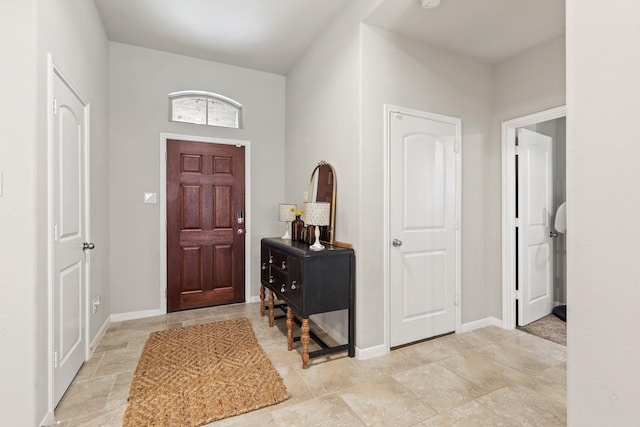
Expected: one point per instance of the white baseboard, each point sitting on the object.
(371, 352)
(132, 315)
(99, 335)
(48, 420)
(482, 323)
(255, 298)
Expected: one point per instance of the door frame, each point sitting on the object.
(509, 128)
(388, 109)
(52, 71)
(163, 208)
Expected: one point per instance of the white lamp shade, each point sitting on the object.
(286, 212)
(317, 213)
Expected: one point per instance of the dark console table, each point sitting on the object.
(309, 282)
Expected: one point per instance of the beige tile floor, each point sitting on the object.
(489, 377)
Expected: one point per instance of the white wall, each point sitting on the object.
(72, 31)
(401, 72)
(141, 80)
(323, 124)
(21, 272)
(603, 192)
(527, 83)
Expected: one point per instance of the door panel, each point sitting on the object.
(420, 299)
(205, 241)
(69, 222)
(423, 270)
(535, 204)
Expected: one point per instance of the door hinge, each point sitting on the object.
(55, 232)
(456, 147)
(516, 150)
(456, 224)
(55, 106)
(518, 295)
(456, 300)
(55, 359)
(516, 222)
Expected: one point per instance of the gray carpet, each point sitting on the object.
(550, 328)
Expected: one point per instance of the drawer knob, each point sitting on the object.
(293, 285)
(270, 259)
(282, 289)
(264, 265)
(284, 265)
(271, 279)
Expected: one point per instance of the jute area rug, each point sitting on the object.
(198, 374)
(550, 328)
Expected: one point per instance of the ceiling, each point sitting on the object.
(270, 35)
(487, 30)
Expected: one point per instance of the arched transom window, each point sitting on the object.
(205, 108)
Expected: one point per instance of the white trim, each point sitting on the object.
(48, 420)
(163, 208)
(371, 352)
(133, 315)
(87, 235)
(457, 122)
(100, 334)
(508, 206)
(52, 71)
(195, 93)
(479, 324)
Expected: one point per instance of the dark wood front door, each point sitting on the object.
(205, 238)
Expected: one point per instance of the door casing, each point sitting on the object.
(52, 72)
(508, 207)
(163, 209)
(388, 109)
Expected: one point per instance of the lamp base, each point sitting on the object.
(317, 246)
(286, 235)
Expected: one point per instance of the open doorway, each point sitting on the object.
(534, 251)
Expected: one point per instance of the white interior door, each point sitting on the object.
(69, 224)
(423, 224)
(535, 204)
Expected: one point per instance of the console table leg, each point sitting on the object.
(289, 329)
(271, 320)
(261, 300)
(304, 338)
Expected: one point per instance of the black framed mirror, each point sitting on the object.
(322, 188)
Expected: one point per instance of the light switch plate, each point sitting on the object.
(305, 196)
(151, 198)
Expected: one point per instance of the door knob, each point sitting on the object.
(87, 245)
(553, 234)
(240, 231)
(396, 242)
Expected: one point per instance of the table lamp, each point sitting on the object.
(286, 213)
(317, 214)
